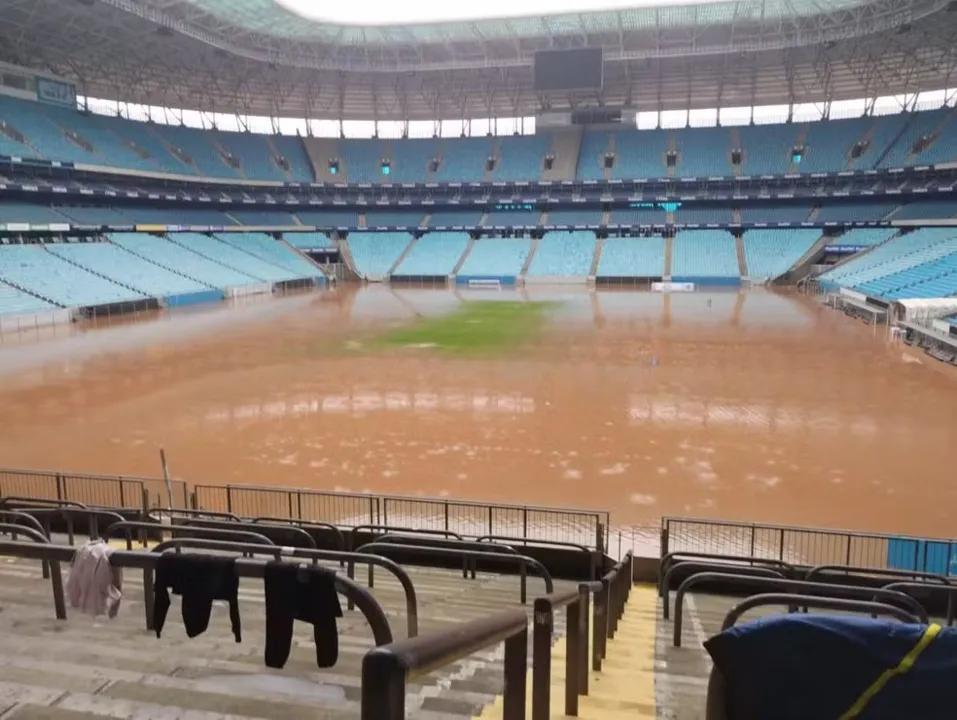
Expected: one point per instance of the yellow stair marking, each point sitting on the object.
(625, 688)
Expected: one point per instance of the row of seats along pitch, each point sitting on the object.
(33, 130)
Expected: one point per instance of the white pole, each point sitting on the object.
(169, 485)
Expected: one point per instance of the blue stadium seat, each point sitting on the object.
(496, 257)
(770, 253)
(632, 257)
(273, 252)
(434, 254)
(16, 302)
(309, 240)
(704, 254)
(394, 218)
(563, 254)
(374, 254)
(178, 258)
(455, 218)
(226, 254)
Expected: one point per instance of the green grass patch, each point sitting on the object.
(475, 328)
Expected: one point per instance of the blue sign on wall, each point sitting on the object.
(56, 93)
(931, 556)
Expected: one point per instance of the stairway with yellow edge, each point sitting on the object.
(625, 687)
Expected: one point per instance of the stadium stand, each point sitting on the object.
(936, 278)
(563, 255)
(16, 302)
(394, 218)
(521, 158)
(176, 257)
(637, 216)
(224, 253)
(900, 253)
(309, 240)
(125, 268)
(374, 254)
(411, 158)
(703, 152)
(632, 258)
(828, 144)
(639, 154)
(329, 218)
(496, 258)
(859, 212)
(263, 218)
(434, 254)
(176, 216)
(703, 215)
(770, 253)
(58, 280)
(17, 212)
(767, 149)
(512, 218)
(464, 159)
(454, 218)
(863, 237)
(574, 217)
(774, 213)
(272, 252)
(93, 215)
(705, 256)
(932, 209)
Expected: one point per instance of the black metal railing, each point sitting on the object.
(387, 669)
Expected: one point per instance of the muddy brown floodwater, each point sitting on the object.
(753, 406)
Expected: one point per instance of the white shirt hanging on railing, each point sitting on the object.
(94, 586)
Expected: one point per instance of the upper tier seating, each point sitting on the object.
(48, 276)
(16, 302)
(704, 253)
(770, 253)
(272, 252)
(30, 129)
(93, 215)
(434, 254)
(177, 258)
(374, 254)
(637, 216)
(563, 254)
(226, 254)
(124, 267)
(176, 216)
(496, 257)
(632, 257)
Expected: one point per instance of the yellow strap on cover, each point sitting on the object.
(932, 631)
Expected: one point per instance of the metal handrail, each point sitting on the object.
(386, 670)
(610, 602)
(291, 530)
(411, 599)
(146, 561)
(916, 585)
(798, 587)
(670, 559)
(127, 525)
(305, 525)
(823, 603)
(56, 577)
(698, 567)
(391, 529)
(575, 603)
(454, 544)
(159, 513)
(854, 570)
(522, 561)
(67, 512)
(28, 499)
(593, 555)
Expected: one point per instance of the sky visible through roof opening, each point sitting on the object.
(418, 12)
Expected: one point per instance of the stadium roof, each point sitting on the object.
(255, 57)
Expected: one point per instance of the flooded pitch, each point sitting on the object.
(748, 406)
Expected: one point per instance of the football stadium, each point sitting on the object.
(547, 358)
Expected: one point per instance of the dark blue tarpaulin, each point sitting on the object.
(816, 667)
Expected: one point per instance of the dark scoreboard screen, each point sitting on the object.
(563, 70)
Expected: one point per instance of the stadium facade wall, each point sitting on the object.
(194, 298)
(244, 290)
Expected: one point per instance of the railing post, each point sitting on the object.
(544, 625)
(59, 487)
(490, 531)
(598, 628)
(573, 658)
(229, 499)
(581, 625)
(383, 686)
(446, 504)
(599, 535)
(516, 669)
